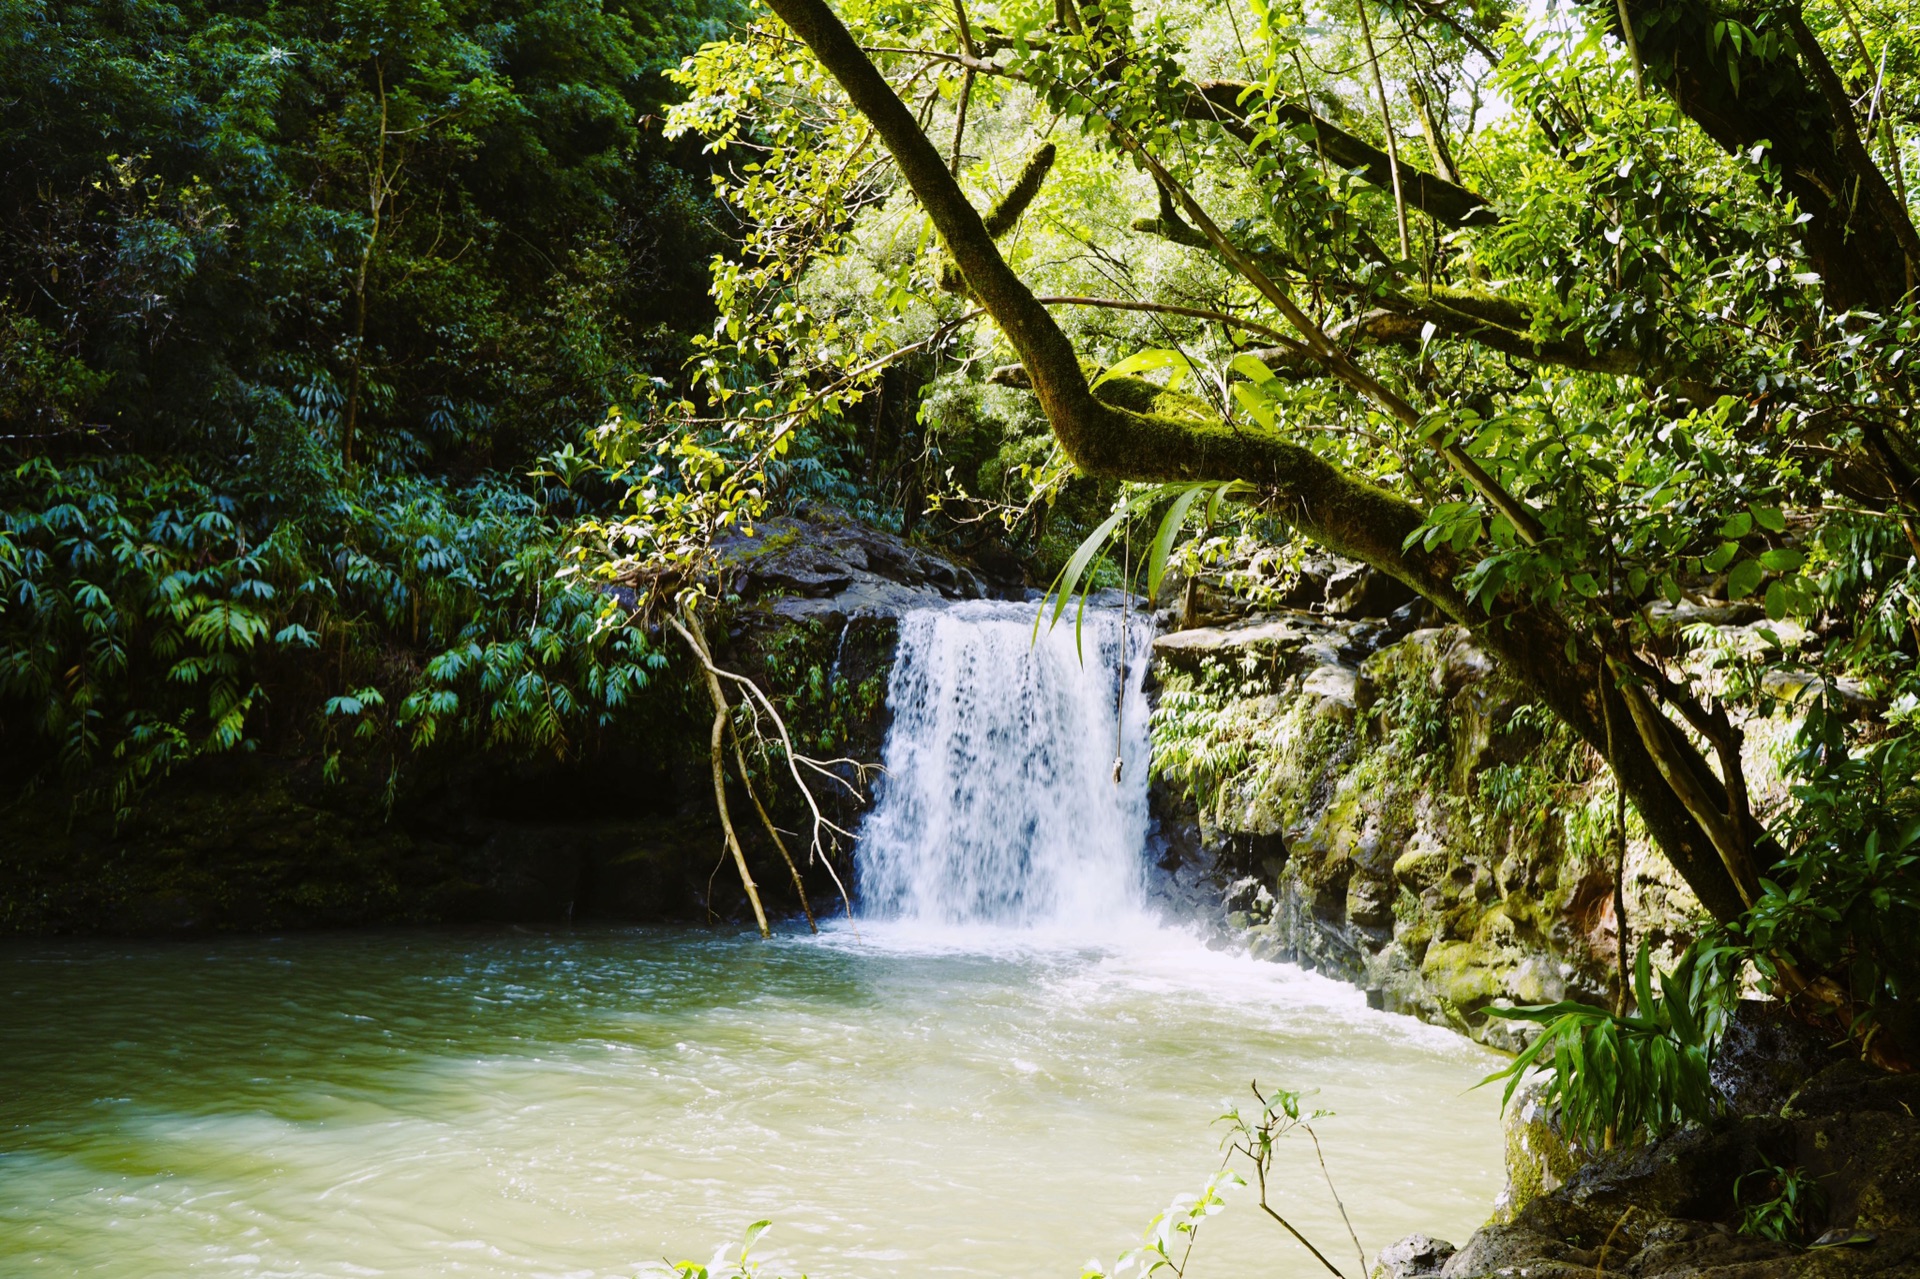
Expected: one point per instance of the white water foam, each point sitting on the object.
(1000, 807)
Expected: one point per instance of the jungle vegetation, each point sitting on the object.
(1588, 323)
(305, 309)
(347, 351)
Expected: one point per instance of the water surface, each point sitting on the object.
(588, 1103)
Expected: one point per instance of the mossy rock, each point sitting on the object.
(1539, 1160)
(1422, 867)
(1459, 975)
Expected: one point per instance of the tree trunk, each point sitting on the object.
(1858, 236)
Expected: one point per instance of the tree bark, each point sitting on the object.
(1859, 236)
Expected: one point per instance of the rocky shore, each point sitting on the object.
(1693, 1205)
(1347, 787)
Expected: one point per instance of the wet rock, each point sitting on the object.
(1370, 901)
(1287, 647)
(1359, 591)
(1425, 856)
(1766, 1056)
(825, 566)
(1671, 1208)
(1712, 612)
(1414, 1257)
(1539, 1158)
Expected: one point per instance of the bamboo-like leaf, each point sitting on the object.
(1144, 362)
(1069, 578)
(1254, 402)
(1079, 619)
(1163, 540)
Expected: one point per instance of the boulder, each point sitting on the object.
(823, 566)
(1675, 1207)
(1414, 1257)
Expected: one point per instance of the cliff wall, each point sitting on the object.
(1380, 802)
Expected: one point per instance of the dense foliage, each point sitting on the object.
(1614, 1078)
(315, 233)
(154, 618)
(293, 297)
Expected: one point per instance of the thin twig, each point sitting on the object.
(746, 778)
(1386, 123)
(786, 740)
(1198, 313)
(697, 643)
(1328, 1177)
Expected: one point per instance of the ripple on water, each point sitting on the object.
(478, 1103)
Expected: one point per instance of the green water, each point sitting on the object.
(588, 1103)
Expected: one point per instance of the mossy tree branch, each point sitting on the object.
(1340, 511)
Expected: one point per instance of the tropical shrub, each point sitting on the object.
(151, 618)
(1617, 1078)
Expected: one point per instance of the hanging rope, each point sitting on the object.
(1120, 693)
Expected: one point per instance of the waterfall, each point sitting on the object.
(999, 804)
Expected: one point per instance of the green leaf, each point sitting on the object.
(1163, 540)
(1738, 525)
(1769, 518)
(1782, 559)
(1258, 407)
(1779, 601)
(1069, 579)
(1143, 362)
(1745, 576)
(1721, 557)
(1251, 367)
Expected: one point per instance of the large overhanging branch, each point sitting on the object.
(1224, 103)
(1340, 511)
(1524, 521)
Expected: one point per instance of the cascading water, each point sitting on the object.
(1000, 803)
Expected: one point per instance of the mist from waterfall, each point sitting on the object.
(999, 805)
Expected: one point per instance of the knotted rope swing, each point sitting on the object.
(1120, 692)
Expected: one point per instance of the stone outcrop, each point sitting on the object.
(1696, 1205)
(1383, 804)
(824, 566)
(1675, 1208)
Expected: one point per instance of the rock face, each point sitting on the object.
(826, 567)
(1384, 804)
(261, 842)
